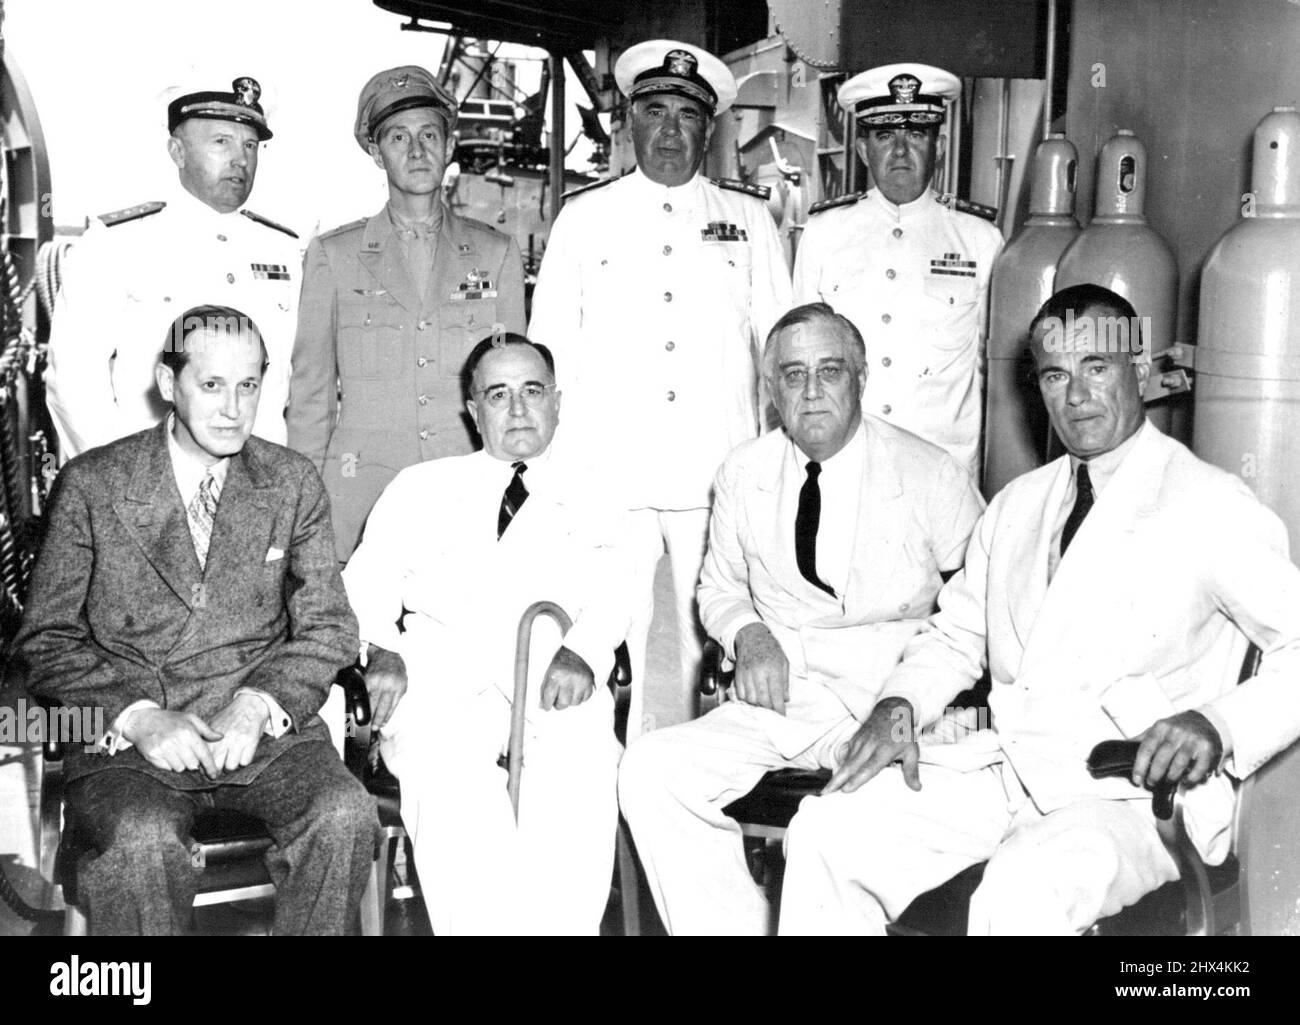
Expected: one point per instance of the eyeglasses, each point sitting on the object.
(829, 375)
(499, 395)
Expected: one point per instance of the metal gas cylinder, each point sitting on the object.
(1015, 423)
(1248, 346)
(1120, 251)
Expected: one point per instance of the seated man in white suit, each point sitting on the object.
(458, 548)
(826, 545)
(1115, 591)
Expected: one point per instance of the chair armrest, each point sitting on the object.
(356, 740)
(710, 668)
(621, 674)
(713, 678)
(356, 698)
(1116, 758)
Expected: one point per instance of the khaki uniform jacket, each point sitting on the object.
(376, 383)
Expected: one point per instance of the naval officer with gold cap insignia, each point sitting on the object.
(392, 306)
(656, 293)
(136, 270)
(908, 267)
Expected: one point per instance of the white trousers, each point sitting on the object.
(673, 785)
(854, 861)
(480, 872)
(684, 534)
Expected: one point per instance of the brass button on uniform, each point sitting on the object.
(898, 233)
(422, 324)
(423, 400)
(668, 208)
(222, 238)
(672, 395)
(424, 435)
(890, 274)
(668, 250)
(885, 361)
(670, 346)
(230, 278)
(886, 409)
(668, 297)
(421, 361)
(885, 318)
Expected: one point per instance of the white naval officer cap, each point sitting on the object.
(900, 96)
(668, 66)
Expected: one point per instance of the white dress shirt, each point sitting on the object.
(840, 483)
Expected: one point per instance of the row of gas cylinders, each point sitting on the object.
(1245, 414)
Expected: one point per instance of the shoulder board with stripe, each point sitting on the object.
(268, 222)
(828, 204)
(590, 187)
(758, 191)
(343, 228)
(131, 213)
(965, 206)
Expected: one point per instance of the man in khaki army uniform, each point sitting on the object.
(391, 306)
(656, 295)
(910, 268)
(135, 271)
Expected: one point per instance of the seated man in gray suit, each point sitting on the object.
(826, 549)
(188, 586)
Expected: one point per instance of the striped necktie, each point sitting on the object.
(513, 499)
(202, 512)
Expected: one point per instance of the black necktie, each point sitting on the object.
(513, 499)
(806, 521)
(1082, 505)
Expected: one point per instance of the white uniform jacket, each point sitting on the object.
(127, 282)
(656, 302)
(430, 545)
(916, 510)
(1175, 568)
(914, 279)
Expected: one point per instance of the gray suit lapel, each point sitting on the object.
(154, 516)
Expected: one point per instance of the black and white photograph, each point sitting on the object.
(718, 468)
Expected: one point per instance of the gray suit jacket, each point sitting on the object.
(120, 610)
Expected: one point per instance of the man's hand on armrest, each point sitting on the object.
(172, 740)
(1184, 748)
(762, 671)
(568, 681)
(385, 683)
(239, 727)
(887, 736)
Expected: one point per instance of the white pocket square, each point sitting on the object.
(272, 554)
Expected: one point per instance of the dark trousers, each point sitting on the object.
(136, 878)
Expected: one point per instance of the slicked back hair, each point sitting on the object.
(814, 313)
(176, 348)
(499, 341)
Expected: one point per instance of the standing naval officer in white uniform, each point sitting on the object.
(656, 293)
(133, 273)
(909, 267)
